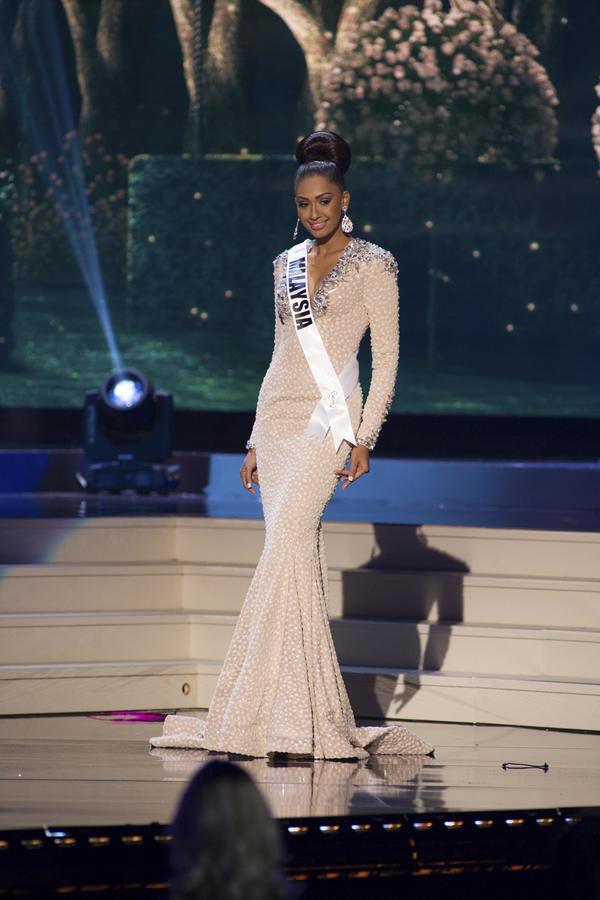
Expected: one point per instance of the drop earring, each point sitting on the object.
(347, 224)
(295, 236)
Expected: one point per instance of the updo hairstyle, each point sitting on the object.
(323, 153)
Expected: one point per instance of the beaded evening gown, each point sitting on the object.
(280, 688)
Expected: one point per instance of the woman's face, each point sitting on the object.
(319, 203)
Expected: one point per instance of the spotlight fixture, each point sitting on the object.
(127, 438)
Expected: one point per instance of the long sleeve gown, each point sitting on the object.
(280, 689)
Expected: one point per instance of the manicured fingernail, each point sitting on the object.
(350, 477)
(247, 484)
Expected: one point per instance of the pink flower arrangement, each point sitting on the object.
(435, 90)
(39, 240)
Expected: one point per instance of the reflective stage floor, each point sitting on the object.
(83, 770)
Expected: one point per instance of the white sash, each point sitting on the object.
(331, 411)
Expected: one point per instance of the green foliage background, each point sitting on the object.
(500, 293)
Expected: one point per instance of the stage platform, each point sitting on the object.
(99, 769)
(559, 495)
(460, 591)
(464, 599)
(92, 781)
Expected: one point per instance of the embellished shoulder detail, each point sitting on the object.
(279, 270)
(370, 251)
(280, 261)
(355, 254)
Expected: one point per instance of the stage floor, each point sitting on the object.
(82, 770)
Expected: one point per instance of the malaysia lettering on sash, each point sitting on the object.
(298, 293)
(331, 411)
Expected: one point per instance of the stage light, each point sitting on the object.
(128, 436)
(127, 403)
(124, 392)
(65, 842)
(99, 841)
(32, 844)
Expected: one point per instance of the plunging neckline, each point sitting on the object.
(328, 275)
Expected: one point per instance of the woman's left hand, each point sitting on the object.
(359, 465)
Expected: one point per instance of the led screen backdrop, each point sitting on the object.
(146, 186)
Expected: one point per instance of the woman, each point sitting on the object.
(280, 689)
(225, 844)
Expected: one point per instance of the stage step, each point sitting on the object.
(375, 692)
(358, 593)
(456, 697)
(101, 540)
(85, 587)
(104, 686)
(436, 596)
(503, 650)
(349, 545)
(430, 622)
(427, 548)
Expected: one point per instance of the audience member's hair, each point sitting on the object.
(226, 845)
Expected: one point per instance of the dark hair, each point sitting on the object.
(226, 844)
(323, 153)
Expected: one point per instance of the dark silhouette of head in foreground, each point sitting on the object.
(226, 845)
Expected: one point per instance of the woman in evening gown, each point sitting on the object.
(280, 690)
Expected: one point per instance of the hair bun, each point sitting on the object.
(324, 146)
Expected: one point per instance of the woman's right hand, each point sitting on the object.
(248, 471)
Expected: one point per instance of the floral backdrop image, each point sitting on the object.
(475, 129)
